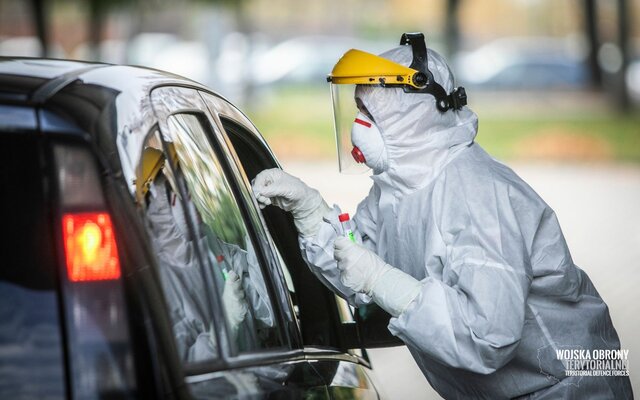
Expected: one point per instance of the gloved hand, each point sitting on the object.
(359, 267)
(363, 271)
(274, 186)
(233, 300)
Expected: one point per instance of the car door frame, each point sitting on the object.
(268, 264)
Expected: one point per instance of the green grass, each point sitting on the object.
(297, 122)
(605, 137)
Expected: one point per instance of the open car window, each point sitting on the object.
(316, 306)
(326, 319)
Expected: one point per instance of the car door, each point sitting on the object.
(233, 322)
(329, 333)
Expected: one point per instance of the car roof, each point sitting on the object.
(110, 103)
(34, 80)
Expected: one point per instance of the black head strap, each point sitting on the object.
(424, 78)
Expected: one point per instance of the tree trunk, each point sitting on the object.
(591, 29)
(452, 28)
(96, 22)
(622, 94)
(39, 19)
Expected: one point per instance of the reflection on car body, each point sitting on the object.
(140, 265)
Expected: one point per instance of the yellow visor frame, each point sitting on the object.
(152, 162)
(362, 68)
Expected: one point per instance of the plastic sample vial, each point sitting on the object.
(346, 226)
(225, 271)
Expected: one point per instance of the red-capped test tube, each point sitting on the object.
(345, 221)
(225, 271)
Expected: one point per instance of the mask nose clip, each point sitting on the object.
(357, 155)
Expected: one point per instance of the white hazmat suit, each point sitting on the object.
(493, 289)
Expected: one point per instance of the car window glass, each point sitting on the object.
(226, 242)
(181, 275)
(193, 207)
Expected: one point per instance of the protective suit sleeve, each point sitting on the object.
(473, 317)
(317, 251)
(395, 290)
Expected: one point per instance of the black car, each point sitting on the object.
(136, 263)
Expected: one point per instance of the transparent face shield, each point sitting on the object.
(344, 113)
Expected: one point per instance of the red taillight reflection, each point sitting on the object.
(90, 247)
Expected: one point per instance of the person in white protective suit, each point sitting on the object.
(183, 279)
(469, 261)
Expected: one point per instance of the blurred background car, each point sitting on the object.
(306, 59)
(526, 63)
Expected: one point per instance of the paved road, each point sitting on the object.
(599, 210)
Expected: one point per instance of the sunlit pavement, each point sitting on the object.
(598, 208)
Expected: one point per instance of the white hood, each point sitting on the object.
(420, 140)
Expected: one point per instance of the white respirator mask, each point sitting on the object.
(368, 145)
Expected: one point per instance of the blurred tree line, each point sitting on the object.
(601, 22)
(99, 10)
